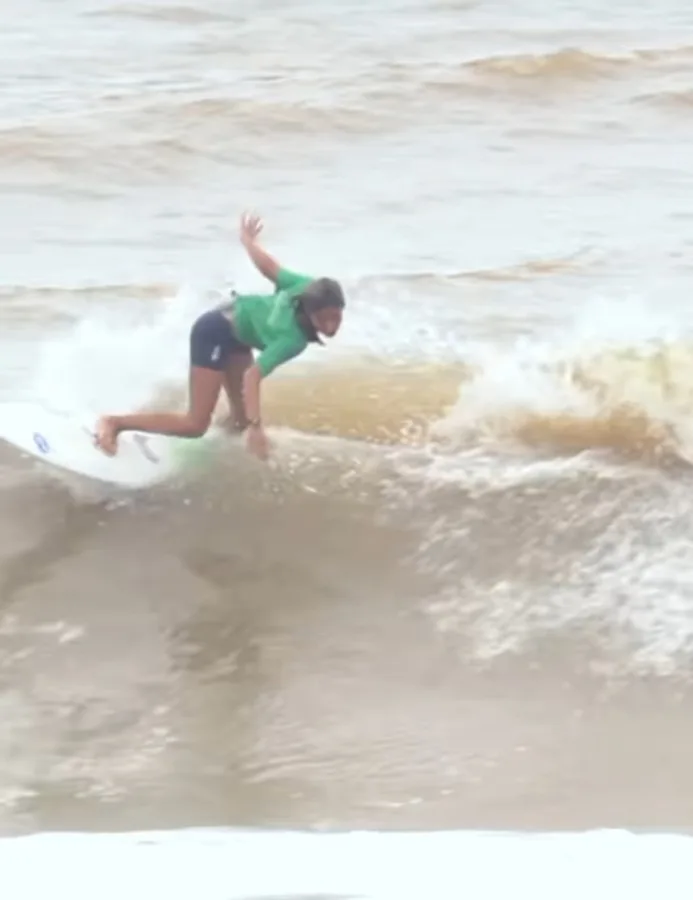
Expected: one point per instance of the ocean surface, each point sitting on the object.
(442, 644)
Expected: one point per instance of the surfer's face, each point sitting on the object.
(327, 320)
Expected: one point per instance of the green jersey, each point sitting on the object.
(268, 322)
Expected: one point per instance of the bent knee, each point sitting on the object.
(198, 427)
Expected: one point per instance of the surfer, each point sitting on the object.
(279, 325)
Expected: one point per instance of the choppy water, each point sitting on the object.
(461, 597)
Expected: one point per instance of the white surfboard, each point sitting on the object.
(66, 440)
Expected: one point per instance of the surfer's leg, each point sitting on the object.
(210, 341)
(205, 385)
(239, 361)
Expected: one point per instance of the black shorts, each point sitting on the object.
(213, 340)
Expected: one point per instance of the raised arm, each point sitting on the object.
(251, 226)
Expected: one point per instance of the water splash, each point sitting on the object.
(118, 359)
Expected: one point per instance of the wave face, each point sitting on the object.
(459, 597)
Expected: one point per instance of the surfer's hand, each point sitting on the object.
(257, 442)
(251, 226)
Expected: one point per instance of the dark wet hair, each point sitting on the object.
(323, 293)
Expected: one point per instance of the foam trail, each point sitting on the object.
(220, 864)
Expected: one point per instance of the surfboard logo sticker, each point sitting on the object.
(41, 443)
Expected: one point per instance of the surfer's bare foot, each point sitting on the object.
(106, 437)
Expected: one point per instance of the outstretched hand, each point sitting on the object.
(251, 226)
